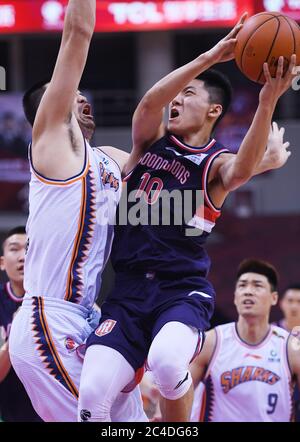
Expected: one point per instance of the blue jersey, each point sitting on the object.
(171, 238)
(15, 405)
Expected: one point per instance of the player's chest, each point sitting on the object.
(167, 167)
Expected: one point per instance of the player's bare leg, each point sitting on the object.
(178, 410)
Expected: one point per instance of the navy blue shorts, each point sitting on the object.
(141, 304)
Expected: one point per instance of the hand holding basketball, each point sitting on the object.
(224, 49)
(275, 87)
(264, 38)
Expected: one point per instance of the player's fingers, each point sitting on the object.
(238, 26)
(267, 72)
(242, 18)
(288, 153)
(234, 31)
(274, 126)
(292, 66)
(279, 71)
(286, 145)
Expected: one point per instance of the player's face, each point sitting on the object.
(253, 295)
(83, 113)
(290, 305)
(12, 261)
(191, 110)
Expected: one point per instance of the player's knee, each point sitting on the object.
(94, 403)
(171, 375)
(94, 399)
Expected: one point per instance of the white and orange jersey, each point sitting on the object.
(70, 230)
(247, 383)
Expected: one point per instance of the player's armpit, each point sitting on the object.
(230, 173)
(219, 178)
(199, 366)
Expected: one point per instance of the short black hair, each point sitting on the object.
(219, 88)
(19, 230)
(260, 267)
(32, 99)
(293, 286)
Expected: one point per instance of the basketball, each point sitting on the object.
(264, 38)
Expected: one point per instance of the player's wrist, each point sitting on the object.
(267, 105)
(209, 58)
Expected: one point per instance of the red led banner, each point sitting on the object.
(291, 8)
(19, 16)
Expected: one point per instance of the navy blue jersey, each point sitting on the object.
(15, 405)
(174, 245)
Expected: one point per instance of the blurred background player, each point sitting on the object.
(69, 235)
(289, 303)
(249, 368)
(290, 306)
(15, 405)
(162, 297)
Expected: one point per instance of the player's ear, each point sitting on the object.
(215, 110)
(274, 298)
(2, 266)
(234, 298)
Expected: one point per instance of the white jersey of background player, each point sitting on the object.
(74, 190)
(248, 368)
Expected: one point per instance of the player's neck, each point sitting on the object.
(17, 288)
(253, 330)
(197, 139)
(289, 324)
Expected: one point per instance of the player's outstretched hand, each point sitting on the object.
(224, 49)
(277, 153)
(277, 86)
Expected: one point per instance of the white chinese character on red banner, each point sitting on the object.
(52, 12)
(273, 5)
(7, 16)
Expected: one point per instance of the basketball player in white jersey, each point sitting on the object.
(290, 306)
(69, 234)
(248, 367)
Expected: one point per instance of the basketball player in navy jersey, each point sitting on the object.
(162, 300)
(15, 405)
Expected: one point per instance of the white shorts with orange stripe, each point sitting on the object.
(44, 345)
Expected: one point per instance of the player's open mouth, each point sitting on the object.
(248, 302)
(174, 113)
(86, 111)
(20, 268)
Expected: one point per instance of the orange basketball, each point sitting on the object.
(264, 38)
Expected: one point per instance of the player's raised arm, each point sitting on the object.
(56, 104)
(233, 174)
(147, 124)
